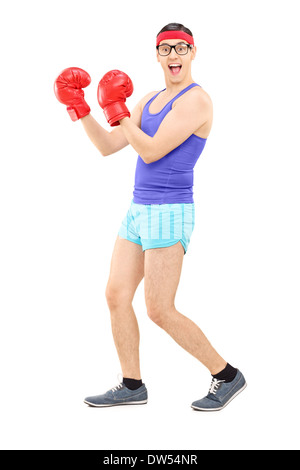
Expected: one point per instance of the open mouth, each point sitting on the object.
(174, 68)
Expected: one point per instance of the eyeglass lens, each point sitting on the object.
(165, 49)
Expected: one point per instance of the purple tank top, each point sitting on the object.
(168, 180)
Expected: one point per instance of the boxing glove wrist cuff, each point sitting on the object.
(115, 111)
(78, 111)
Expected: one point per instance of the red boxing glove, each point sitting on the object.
(113, 89)
(68, 90)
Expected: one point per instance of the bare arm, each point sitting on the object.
(182, 121)
(109, 142)
(106, 142)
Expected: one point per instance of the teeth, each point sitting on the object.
(174, 65)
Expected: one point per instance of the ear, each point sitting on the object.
(157, 56)
(194, 52)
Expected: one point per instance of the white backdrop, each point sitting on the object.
(62, 205)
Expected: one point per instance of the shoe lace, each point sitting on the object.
(120, 385)
(214, 386)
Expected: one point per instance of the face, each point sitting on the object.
(176, 67)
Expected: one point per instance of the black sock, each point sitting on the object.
(228, 374)
(132, 384)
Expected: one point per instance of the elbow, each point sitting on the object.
(104, 152)
(145, 159)
(148, 157)
(147, 153)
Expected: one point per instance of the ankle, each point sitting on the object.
(218, 368)
(227, 375)
(132, 384)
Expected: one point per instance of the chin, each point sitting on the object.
(176, 80)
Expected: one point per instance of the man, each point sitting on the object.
(168, 130)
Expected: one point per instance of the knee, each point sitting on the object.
(160, 311)
(117, 297)
(156, 314)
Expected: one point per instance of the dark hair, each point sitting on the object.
(175, 27)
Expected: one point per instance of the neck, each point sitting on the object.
(174, 88)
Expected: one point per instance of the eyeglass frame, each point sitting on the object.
(189, 46)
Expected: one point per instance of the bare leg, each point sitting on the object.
(162, 274)
(126, 272)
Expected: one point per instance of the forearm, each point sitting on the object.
(106, 142)
(142, 143)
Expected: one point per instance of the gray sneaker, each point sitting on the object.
(221, 394)
(119, 395)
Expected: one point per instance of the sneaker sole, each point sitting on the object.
(116, 404)
(222, 407)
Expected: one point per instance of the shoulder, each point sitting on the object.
(137, 112)
(194, 100)
(146, 98)
(198, 96)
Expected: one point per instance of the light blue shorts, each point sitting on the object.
(159, 225)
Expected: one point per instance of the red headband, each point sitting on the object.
(175, 35)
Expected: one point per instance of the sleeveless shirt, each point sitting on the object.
(169, 180)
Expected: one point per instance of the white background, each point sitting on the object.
(62, 205)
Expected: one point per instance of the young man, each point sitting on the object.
(168, 130)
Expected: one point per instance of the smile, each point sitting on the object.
(175, 68)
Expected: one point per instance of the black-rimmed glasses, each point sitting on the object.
(180, 49)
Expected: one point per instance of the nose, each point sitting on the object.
(173, 53)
